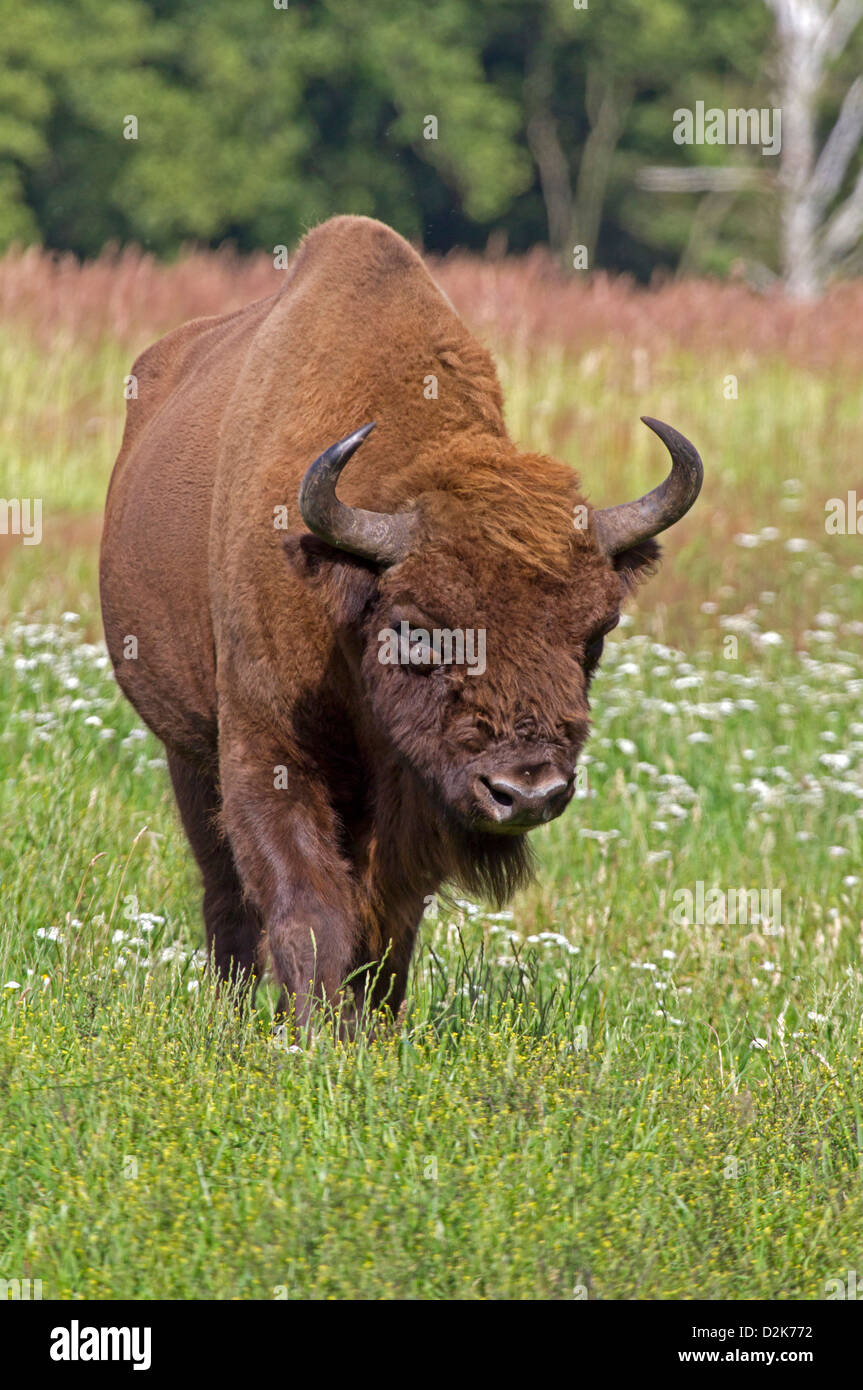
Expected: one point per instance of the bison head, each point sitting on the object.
(475, 618)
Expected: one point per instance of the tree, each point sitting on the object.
(586, 72)
(250, 122)
(816, 240)
(168, 121)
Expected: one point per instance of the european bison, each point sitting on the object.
(335, 749)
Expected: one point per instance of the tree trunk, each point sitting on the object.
(810, 33)
(607, 108)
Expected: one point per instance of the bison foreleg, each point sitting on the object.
(284, 839)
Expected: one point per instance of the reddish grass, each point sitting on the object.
(525, 301)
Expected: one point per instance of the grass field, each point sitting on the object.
(593, 1094)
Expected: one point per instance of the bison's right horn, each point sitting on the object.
(381, 536)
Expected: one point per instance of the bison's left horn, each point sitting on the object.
(381, 536)
(619, 528)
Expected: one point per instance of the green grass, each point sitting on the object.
(62, 416)
(587, 1094)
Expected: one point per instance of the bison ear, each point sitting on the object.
(638, 563)
(347, 584)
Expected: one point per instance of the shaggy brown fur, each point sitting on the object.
(258, 650)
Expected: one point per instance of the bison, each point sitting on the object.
(328, 790)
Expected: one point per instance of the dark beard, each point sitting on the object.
(491, 867)
(427, 843)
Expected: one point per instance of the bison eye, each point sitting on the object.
(427, 666)
(471, 740)
(424, 652)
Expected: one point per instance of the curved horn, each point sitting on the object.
(380, 536)
(618, 528)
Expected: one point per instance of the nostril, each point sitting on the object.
(498, 794)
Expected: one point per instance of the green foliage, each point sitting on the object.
(252, 122)
(255, 122)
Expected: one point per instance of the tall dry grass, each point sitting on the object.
(525, 301)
